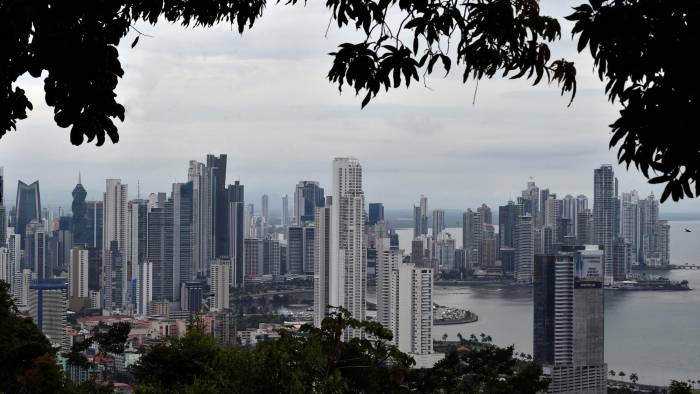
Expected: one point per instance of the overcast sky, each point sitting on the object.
(263, 99)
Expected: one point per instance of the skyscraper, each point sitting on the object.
(388, 262)
(183, 236)
(237, 231)
(253, 257)
(27, 207)
(271, 257)
(285, 210)
(348, 264)
(116, 215)
(309, 250)
(568, 326)
(36, 250)
(604, 214)
(376, 213)
(220, 284)
(3, 210)
(308, 196)
(265, 204)
(78, 273)
(159, 250)
(138, 223)
(48, 307)
(202, 217)
(485, 214)
(216, 168)
(322, 261)
(115, 285)
(415, 320)
(525, 249)
(95, 224)
(471, 236)
(507, 223)
(144, 287)
(438, 222)
(629, 222)
(79, 208)
(423, 215)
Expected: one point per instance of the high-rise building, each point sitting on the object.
(78, 273)
(622, 259)
(507, 223)
(309, 249)
(116, 215)
(488, 246)
(376, 213)
(48, 307)
(568, 326)
(220, 284)
(308, 196)
(271, 257)
(530, 199)
(295, 249)
(216, 168)
(285, 210)
(36, 250)
(444, 252)
(202, 217)
(159, 250)
(472, 229)
(144, 287)
(348, 265)
(115, 281)
(322, 260)
(253, 257)
(485, 214)
(604, 203)
(27, 207)
(438, 222)
(265, 204)
(191, 293)
(7, 268)
(388, 262)
(183, 236)
(525, 249)
(95, 224)
(415, 320)
(629, 222)
(138, 227)
(79, 220)
(237, 231)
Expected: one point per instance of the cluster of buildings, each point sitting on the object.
(160, 260)
(627, 228)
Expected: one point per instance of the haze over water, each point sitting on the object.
(655, 334)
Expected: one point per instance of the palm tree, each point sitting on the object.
(444, 337)
(612, 373)
(634, 378)
(621, 374)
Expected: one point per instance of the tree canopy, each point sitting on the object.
(638, 48)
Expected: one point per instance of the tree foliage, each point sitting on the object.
(639, 49)
(27, 363)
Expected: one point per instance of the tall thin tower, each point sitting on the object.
(348, 264)
(604, 205)
(116, 215)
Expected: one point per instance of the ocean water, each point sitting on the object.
(654, 334)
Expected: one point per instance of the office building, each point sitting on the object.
(159, 250)
(115, 281)
(438, 222)
(629, 222)
(138, 234)
(95, 224)
(253, 257)
(376, 213)
(183, 236)
(507, 223)
(237, 231)
(27, 207)
(309, 249)
(191, 294)
(79, 219)
(308, 196)
(271, 257)
(387, 268)
(36, 250)
(285, 211)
